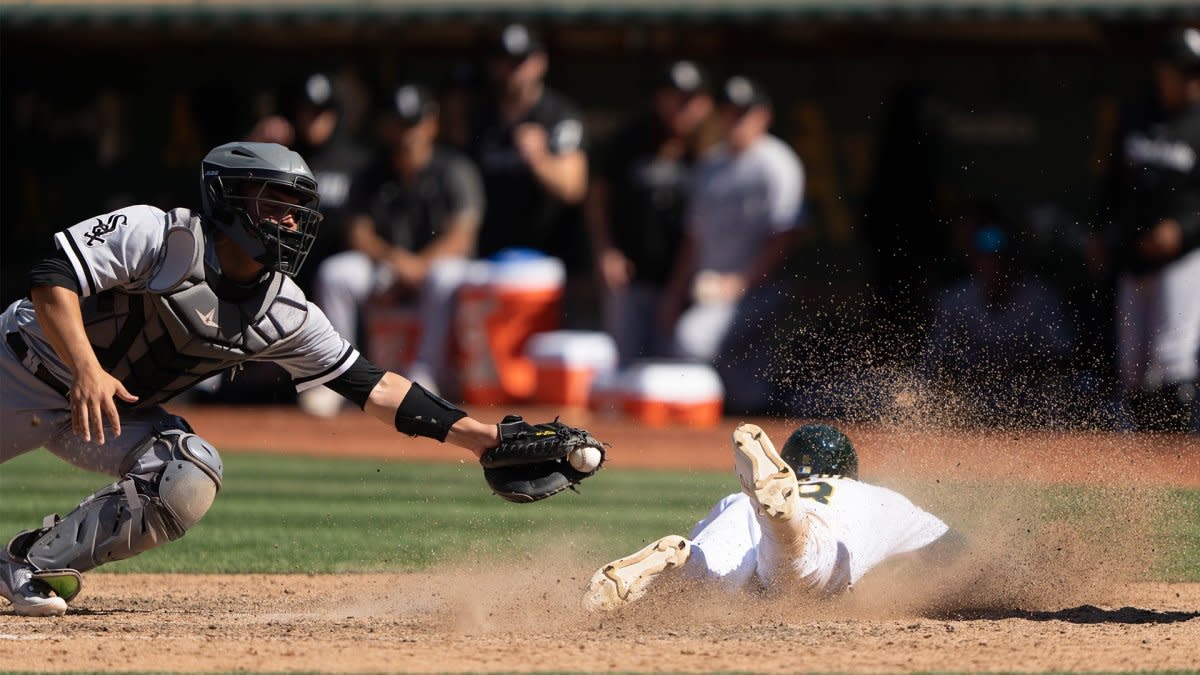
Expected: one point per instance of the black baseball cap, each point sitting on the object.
(743, 93)
(1182, 49)
(516, 42)
(684, 76)
(315, 89)
(412, 103)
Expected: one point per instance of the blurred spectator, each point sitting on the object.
(312, 124)
(1000, 338)
(414, 218)
(742, 224)
(1154, 222)
(636, 203)
(529, 144)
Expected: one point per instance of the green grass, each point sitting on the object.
(288, 514)
(291, 514)
(1183, 538)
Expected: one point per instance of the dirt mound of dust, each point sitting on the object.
(1017, 549)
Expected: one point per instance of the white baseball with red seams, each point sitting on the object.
(586, 459)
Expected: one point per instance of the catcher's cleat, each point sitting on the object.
(763, 474)
(624, 580)
(29, 596)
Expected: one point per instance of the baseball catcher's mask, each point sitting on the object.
(264, 197)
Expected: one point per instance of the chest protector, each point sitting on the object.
(187, 323)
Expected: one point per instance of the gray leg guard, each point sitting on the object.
(170, 482)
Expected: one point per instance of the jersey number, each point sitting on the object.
(818, 491)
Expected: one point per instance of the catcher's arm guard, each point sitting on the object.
(532, 461)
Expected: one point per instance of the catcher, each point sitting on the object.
(137, 306)
(802, 519)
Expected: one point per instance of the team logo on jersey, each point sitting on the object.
(567, 136)
(1160, 152)
(206, 318)
(103, 228)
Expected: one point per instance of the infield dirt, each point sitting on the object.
(456, 621)
(1071, 601)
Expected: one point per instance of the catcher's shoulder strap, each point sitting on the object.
(182, 254)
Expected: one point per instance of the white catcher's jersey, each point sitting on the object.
(161, 317)
(854, 526)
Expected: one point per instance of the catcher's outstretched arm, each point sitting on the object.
(522, 462)
(413, 410)
(418, 412)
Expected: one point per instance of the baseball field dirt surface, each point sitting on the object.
(1094, 604)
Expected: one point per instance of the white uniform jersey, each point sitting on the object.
(740, 200)
(854, 526)
(161, 318)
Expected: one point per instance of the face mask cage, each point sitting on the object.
(281, 215)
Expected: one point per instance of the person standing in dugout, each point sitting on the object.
(636, 203)
(529, 144)
(139, 305)
(313, 122)
(742, 222)
(1153, 222)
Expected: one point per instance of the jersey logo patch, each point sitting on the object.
(102, 228)
(206, 318)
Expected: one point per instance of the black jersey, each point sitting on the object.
(1157, 176)
(520, 212)
(334, 164)
(412, 215)
(648, 197)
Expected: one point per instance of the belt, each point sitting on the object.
(17, 344)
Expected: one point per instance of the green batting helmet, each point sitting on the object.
(820, 450)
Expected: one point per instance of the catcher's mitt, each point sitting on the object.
(532, 462)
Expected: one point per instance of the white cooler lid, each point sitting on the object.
(524, 274)
(672, 381)
(583, 349)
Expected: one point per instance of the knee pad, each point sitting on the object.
(172, 480)
(190, 481)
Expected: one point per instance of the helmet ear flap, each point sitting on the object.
(231, 221)
(217, 201)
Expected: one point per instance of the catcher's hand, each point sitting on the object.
(533, 462)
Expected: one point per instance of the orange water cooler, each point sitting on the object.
(393, 334)
(500, 307)
(567, 362)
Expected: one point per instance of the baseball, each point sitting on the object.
(585, 459)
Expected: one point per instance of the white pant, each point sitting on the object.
(1158, 325)
(735, 337)
(737, 546)
(32, 416)
(346, 281)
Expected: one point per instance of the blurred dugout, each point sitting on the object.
(1017, 105)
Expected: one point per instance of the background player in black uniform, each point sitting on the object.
(313, 123)
(1154, 233)
(529, 144)
(637, 199)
